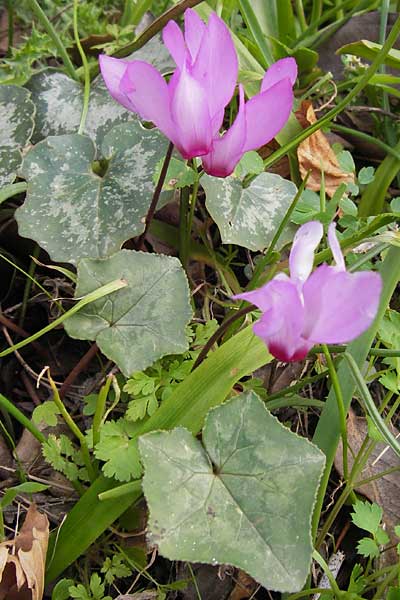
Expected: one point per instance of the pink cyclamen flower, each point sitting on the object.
(327, 306)
(189, 109)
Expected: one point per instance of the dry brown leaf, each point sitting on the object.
(385, 490)
(23, 559)
(244, 588)
(316, 155)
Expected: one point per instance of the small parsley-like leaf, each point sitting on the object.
(366, 175)
(115, 568)
(367, 516)
(46, 413)
(119, 451)
(57, 452)
(381, 537)
(96, 587)
(137, 409)
(357, 580)
(368, 547)
(79, 592)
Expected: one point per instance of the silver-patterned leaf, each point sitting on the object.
(248, 216)
(59, 99)
(16, 117)
(245, 498)
(144, 321)
(73, 213)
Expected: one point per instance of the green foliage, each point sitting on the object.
(115, 567)
(28, 487)
(90, 402)
(251, 163)
(368, 517)
(179, 174)
(158, 382)
(389, 335)
(61, 454)
(61, 589)
(94, 592)
(27, 58)
(357, 580)
(118, 450)
(366, 175)
(47, 413)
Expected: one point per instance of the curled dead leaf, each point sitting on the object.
(316, 155)
(23, 559)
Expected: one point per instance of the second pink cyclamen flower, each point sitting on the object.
(328, 306)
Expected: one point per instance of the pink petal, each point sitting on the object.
(335, 247)
(339, 306)
(191, 116)
(286, 68)
(305, 242)
(173, 39)
(147, 92)
(216, 122)
(281, 324)
(227, 150)
(261, 297)
(194, 31)
(216, 65)
(267, 113)
(112, 70)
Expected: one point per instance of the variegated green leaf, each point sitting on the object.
(248, 216)
(142, 322)
(16, 117)
(74, 213)
(245, 497)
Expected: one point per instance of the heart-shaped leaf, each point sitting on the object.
(248, 216)
(74, 213)
(59, 99)
(244, 499)
(16, 117)
(142, 322)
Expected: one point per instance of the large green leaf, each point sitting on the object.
(244, 499)
(59, 99)
(16, 117)
(142, 322)
(248, 216)
(74, 213)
